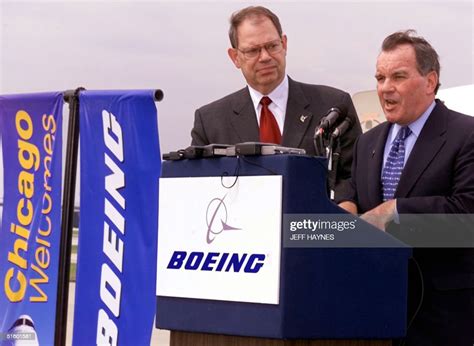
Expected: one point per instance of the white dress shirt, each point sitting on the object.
(279, 97)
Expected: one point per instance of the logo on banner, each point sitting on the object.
(120, 163)
(217, 209)
(30, 127)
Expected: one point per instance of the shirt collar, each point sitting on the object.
(279, 95)
(415, 126)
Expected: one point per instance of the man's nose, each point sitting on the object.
(387, 85)
(264, 55)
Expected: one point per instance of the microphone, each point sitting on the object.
(341, 129)
(328, 121)
(331, 117)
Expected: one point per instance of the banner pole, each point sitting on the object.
(71, 97)
(158, 95)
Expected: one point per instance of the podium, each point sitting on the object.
(335, 295)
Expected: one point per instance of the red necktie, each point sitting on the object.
(269, 130)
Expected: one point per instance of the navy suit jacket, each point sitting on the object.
(438, 178)
(232, 120)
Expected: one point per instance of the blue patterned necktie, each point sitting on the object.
(394, 165)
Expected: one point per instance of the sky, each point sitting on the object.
(181, 47)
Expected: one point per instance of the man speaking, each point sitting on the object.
(421, 161)
(273, 108)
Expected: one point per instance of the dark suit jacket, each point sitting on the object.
(438, 178)
(232, 120)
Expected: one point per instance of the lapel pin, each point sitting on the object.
(373, 153)
(303, 118)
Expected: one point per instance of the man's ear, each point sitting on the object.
(233, 55)
(284, 40)
(432, 78)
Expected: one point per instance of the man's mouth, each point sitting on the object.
(390, 103)
(266, 69)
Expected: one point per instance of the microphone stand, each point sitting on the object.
(326, 146)
(333, 154)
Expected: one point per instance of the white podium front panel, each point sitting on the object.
(220, 238)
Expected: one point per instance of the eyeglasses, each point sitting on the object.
(272, 48)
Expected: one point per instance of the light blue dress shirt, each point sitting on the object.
(410, 141)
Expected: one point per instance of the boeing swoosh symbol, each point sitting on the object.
(211, 234)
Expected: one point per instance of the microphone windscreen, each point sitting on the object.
(342, 109)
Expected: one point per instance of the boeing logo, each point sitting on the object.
(217, 210)
(216, 218)
(217, 261)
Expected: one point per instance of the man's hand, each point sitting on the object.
(381, 215)
(351, 207)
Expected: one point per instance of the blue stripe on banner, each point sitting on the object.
(120, 167)
(30, 127)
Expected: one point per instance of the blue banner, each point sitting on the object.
(120, 168)
(30, 127)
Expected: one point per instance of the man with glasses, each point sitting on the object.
(273, 108)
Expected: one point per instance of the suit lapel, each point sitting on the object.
(244, 119)
(427, 146)
(297, 117)
(375, 162)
